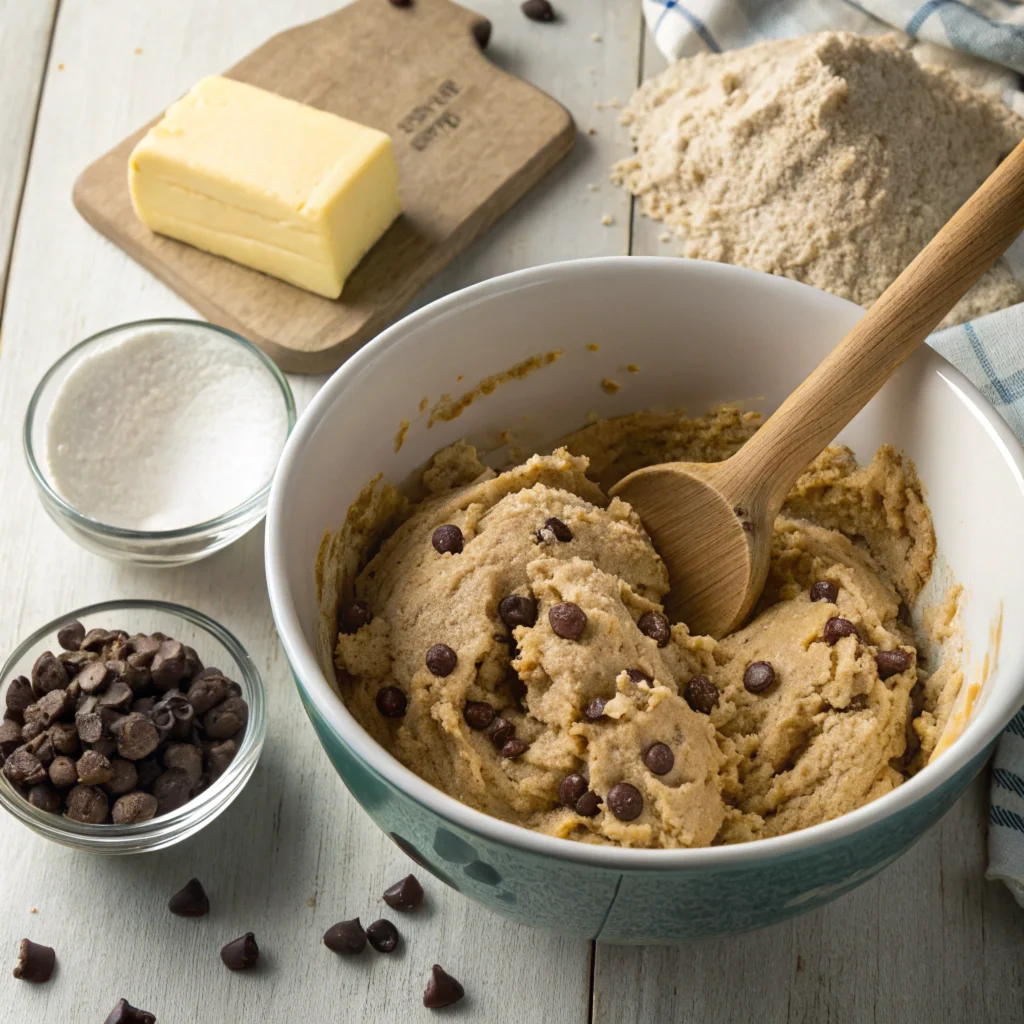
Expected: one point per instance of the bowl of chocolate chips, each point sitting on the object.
(127, 726)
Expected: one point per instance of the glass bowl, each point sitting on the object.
(157, 547)
(215, 646)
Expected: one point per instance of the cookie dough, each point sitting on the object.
(518, 659)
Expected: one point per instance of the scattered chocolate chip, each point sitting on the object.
(559, 530)
(125, 1013)
(354, 616)
(588, 805)
(71, 635)
(240, 954)
(701, 694)
(638, 677)
(124, 777)
(383, 936)
(87, 804)
(441, 660)
(447, 540)
(836, 628)
(45, 797)
(659, 759)
(19, 695)
(478, 714)
(568, 620)
(137, 737)
(24, 769)
(625, 801)
(134, 807)
(655, 625)
(501, 731)
(759, 676)
(190, 901)
(570, 789)
(345, 937)
(825, 590)
(404, 895)
(391, 702)
(516, 610)
(482, 33)
(514, 748)
(93, 769)
(441, 990)
(595, 708)
(538, 10)
(48, 674)
(35, 962)
(891, 663)
(172, 790)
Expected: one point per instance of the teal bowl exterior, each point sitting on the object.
(638, 906)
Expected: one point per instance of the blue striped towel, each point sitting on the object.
(990, 350)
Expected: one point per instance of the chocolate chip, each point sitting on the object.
(514, 748)
(93, 677)
(353, 616)
(93, 769)
(345, 937)
(383, 936)
(240, 954)
(90, 726)
(478, 714)
(891, 663)
(447, 540)
(441, 660)
(24, 769)
(19, 695)
(568, 620)
(10, 737)
(48, 674)
(501, 731)
(124, 777)
(71, 635)
(35, 962)
(87, 804)
(638, 677)
(655, 625)
(401, 3)
(659, 759)
(227, 719)
(404, 895)
(825, 590)
(63, 773)
(701, 694)
(561, 532)
(207, 690)
(94, 640)
(44, 797)
(190, 901)
(220, 755)
(134, 807)
(64, 738)
(538, 10)
(517, 610)
(625, 801)
(588, 805)
(125, 1013)
(169, 667)
(118, 695)
(441, 990)
(149, 769)
(75, 661)
(482, 33)
(570, 789)
(172, 789)
(391, 702)
(758, 676)
(138, 737)
(836, 628)
(42, 748)
(595, 708)
(187, 757)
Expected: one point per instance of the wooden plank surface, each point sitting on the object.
(295, 835)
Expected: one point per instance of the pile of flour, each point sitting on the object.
(831, 159)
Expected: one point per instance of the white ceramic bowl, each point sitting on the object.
(699, 333)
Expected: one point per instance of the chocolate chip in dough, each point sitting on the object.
(824, 590)
(758, 676)
(594, 709)
(588, 805)
(514, 748)
(190, 901)
(125, 1013)
(35, 962)
(891, 663)
(447, 540)
(441, 660)
(517, 610)
(538, 10)
(570, 789)
(568, 620)
(638, 677)
(240, 954)
(383, 936)
(134, 807)
(625, 801)
(836, 628)
(391, 702)
(71, 635)
(404, 895)
(478, 714)
(87, 804)
(353, 616)
(401, 3)
(558, 530)
(659, 759)
(346, 937)
(19, 695)
(48, 674)
(44, 797)
(701, 694)
(442, 989)
(482, 33)
(655, 626)
(501, 731)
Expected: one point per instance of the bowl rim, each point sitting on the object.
(202, 809)
(317, 690)
(95, 526)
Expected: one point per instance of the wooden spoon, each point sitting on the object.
(712, 523)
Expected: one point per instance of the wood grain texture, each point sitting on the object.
(470, 140)
(295, 832)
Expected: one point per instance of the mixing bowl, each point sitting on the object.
(638, 333)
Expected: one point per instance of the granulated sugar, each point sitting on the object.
(831, 159)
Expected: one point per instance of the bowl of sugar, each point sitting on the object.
(155, 442)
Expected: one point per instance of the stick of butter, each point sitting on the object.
(274, 184)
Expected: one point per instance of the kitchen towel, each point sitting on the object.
(985, 38)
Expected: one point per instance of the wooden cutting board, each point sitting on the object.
(469, 138)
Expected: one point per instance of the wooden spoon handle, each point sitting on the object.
(907, 311)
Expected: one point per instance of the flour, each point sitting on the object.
(164, 429)
(831, 159)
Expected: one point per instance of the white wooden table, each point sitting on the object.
(929, 940)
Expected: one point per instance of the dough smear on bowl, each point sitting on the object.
(563, 701)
